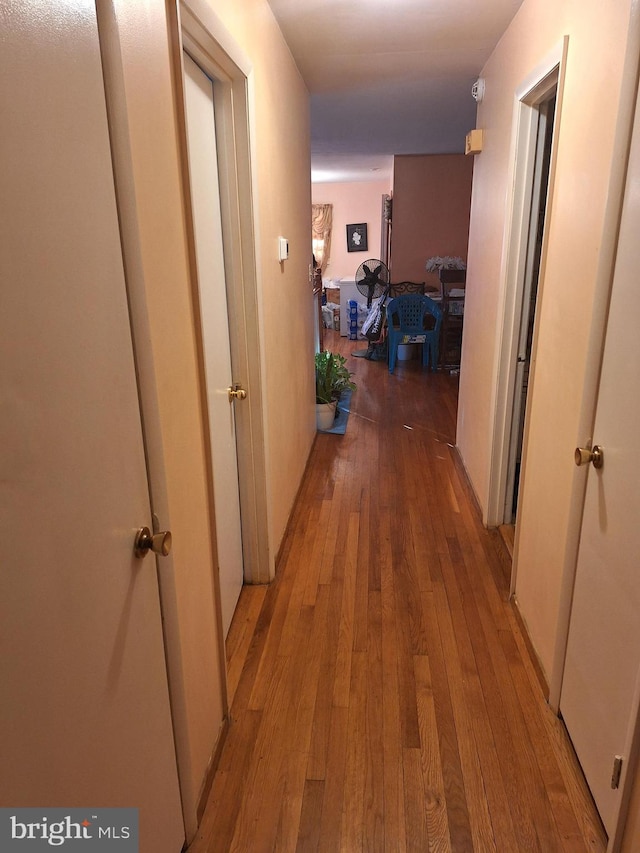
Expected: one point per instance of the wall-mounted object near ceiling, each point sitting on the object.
(477, 90)
(473, 142)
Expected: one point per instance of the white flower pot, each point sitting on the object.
(325, 415)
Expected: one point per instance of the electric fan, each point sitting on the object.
(372, 279)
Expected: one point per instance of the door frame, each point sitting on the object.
(200, 33)
(526, 302)
(532, 91)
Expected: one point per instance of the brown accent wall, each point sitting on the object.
(431, 208)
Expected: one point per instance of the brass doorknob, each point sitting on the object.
(584, 455)
(236, 392)
(159, 543)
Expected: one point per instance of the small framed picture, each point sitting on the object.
(357, 238)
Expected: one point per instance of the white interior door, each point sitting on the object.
(84, 704)
(205, 197)
(603, 653)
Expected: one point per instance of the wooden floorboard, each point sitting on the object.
(383, 696)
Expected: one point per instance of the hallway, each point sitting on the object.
(382, 696)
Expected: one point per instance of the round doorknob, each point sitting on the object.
(159, 543)
(584, 455)
(236, 392)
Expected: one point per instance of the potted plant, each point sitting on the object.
(332, 378)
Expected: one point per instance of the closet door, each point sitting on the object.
(601, 686)
(84, 708)
(207, 221)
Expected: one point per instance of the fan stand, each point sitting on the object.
(364, 353)
(376, 351)
(371, 281)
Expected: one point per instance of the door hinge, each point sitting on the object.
(617, 771)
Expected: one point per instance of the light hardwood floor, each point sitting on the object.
(382, 694)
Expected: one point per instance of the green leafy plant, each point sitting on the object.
(332, 377)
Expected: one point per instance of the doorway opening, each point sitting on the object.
(537, 108)
(206, 42)
(214, 332)
(537, 213)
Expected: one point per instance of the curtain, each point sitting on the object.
(321, 220)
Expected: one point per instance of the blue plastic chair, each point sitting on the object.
(414, 319)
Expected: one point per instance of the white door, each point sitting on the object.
(207, 220)
(603, 653)
(84, 706)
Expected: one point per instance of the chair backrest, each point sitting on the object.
(415, 313)
(403, 287)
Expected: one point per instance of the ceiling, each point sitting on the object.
(389, 76)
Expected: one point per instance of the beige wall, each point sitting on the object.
(353, 202)
(431, 203)
(282, 204)
(585, 128)
(283, 162)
